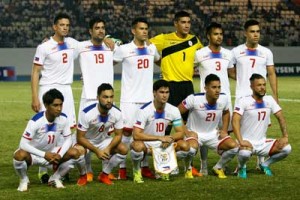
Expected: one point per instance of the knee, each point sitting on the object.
(138, 146)
(122, 149)
(193, 142)
(74, 153)
(183, 145)
(81, 149)
(245, 153)
(287, 149)
(21, 155)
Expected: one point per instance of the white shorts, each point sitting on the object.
(129, 112)
(150, 144)
(264, 148)
(68, 105)
(37, 160)
(213, 142)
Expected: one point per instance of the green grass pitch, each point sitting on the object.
(15, 111)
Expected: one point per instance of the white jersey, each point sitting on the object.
(155, 122)
(204, 118)
(44, 135)
(97, 126)
(57, 60)
(96, 63)
(137, 71)
(214, 63)
(255, 117)
(248, 62)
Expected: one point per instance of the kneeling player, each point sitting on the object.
(206, 110)
(93, 132)
(149, 129)
(38, 145)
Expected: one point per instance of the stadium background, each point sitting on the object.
(24, 24)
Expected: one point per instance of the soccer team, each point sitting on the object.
(53, 139)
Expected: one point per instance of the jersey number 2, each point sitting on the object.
(64, 57)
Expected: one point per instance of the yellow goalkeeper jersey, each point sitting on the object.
(177, 55)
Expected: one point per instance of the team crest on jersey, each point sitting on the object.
(190, 43)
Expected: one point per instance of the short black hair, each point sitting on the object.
(256, 76)
(211, 77)
(138, 20)
(52, 94)
(103, 87)
(180, 14)
(60, 16)
(160, 83)
(94, 21)
(250, 22)
(212, 26)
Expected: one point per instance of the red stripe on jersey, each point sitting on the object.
(27, 138)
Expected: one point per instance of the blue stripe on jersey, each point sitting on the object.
(64, 115)
(62, 46)
(250, 52)
(50, 127)
(145, 105)
(37, 116)
(90, 107)
(142, 51)
(199, 94)
(96, 48)
(103, 119)
(116, 108)
(215, 55)
(210, 107)
(177, 122)
(159, 115)
(260, 105)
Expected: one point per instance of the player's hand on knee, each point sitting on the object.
(244, 144)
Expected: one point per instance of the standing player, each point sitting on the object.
(214, 59)
(96, 63)
(206, 111)
(137, 78)
(39, 143)
(54, 61)
(250, 123)
(250, 58)
(149, 129)
(93, 132)
(177, 63)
